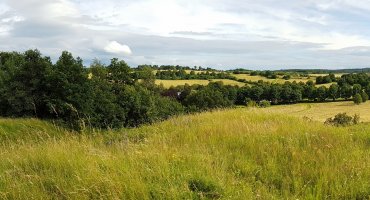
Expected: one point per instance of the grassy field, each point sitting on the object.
(322, 111)
(169, 83)
(336, 75)
(278, 80)
(232, 154)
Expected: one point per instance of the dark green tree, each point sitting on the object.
(357, 99)
(333, 91)
(364, 96)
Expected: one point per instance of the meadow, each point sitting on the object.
(278, 80)
(243, 153)
(169, 83)
(322, 111)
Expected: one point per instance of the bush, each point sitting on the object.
(251, 103)
(204, 189)
(264, 104)
(342, 119)
(357, 99)
(364, 97)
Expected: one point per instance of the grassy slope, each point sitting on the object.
(232, 154)
(322, 111)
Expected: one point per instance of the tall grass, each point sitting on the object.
(231, 154)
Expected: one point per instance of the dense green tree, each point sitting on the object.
(333, 91)
(147, 78)
(255, 93)
(321, 93)
(364, 96)
(356, 89)
(119, 72)
(346, 91)
(357, 99)
(97, 70)
(206, 99)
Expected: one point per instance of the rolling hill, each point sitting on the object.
(229, 154)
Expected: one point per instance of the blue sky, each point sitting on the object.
(222, 34)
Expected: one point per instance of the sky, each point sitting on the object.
(222, 34)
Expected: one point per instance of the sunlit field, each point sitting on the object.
(169, 83)
(322, 111)
(231, 154)
(278, 80)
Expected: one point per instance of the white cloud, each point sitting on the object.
(117, 48)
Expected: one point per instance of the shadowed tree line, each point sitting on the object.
(115, 95)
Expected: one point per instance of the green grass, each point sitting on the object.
(231, 154)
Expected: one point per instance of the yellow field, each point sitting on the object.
(198, 71)
(188, 71)
(316, 75)
(169, 83)
(278, 80)
(322, 111)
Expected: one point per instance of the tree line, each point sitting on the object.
(102, 96)
(115, 95)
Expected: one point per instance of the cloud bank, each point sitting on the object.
(222, 34)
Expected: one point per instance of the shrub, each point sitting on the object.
(264, 104)
(251, 103)
(204, 189)
(364, 97)
(342, 119)
(357, 99)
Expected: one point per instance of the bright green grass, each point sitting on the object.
(231, 154)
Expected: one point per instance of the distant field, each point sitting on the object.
(316, 75)
(278, 80)
(188, 71)
(322, 111)
(169, 83)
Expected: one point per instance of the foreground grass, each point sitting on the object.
(232, 154)
(322, 111)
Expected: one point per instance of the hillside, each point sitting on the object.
(231, 154)
(322, 111)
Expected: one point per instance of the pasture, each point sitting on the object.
(169, 83)
(228, 154)
(322, 111)
(278, 80)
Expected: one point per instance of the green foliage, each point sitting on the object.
(206, 99)
(357, 99)
(333, 91)
(264, 104)
(356, 89)
(342, 119)
(204, 189)
(321, 93)
(286, 77)
(251, 103)
(364, 96)
(102, 97)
